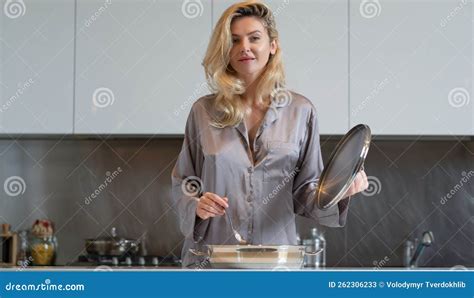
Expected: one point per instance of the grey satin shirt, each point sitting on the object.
(263, 197)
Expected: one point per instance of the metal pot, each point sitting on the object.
(275, 257)
(112, 245)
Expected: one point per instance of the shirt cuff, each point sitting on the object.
(192, 225)
(336, 216)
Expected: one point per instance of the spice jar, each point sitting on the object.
(43, 243)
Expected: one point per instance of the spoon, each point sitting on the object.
(236, 234)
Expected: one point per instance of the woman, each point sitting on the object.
(252, 148)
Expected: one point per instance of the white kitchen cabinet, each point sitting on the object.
(36, 67)
(314, 44)
(138, 64)
(411, 66)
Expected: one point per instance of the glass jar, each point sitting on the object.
(43, 250)
(313, 244)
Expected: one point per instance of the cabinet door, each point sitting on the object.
(138, 64)
(411, 66)
(314, 44)
(36, 66)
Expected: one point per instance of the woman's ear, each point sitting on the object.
(273, 47)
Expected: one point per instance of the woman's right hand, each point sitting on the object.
(211, 205)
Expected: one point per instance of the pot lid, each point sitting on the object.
(112, 237)
(343, 165)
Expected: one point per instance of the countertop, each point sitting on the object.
(175, 268)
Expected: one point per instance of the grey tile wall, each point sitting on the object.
(411, 179)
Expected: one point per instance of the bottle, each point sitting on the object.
(315, 243)
(8, 247)
(22, 259)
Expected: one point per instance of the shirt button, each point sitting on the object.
(250, 169)
(249, 199)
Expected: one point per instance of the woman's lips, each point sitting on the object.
(246, 60)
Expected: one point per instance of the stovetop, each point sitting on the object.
(127, 261)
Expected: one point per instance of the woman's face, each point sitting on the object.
(251, 47)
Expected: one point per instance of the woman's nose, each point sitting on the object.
(245, 46)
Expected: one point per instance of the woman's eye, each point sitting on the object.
(234, 40)
(254, 38)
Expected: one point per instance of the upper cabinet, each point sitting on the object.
(314, 43)
(411, 66)
(138, 64)
(134, 67)
(36, 66)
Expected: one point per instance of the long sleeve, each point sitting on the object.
(185, 177)
(310, 166)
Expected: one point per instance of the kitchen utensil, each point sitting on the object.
(426, 240)
(112, 245)
(236, 234)
(255, 256)
(343, 165)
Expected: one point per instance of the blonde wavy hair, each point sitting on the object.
(222, 78)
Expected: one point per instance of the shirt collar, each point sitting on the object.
(280, 100)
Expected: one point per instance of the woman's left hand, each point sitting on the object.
(360, 184)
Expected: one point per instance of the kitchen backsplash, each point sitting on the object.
(88, 186)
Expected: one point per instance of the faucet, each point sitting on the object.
(411, 256)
